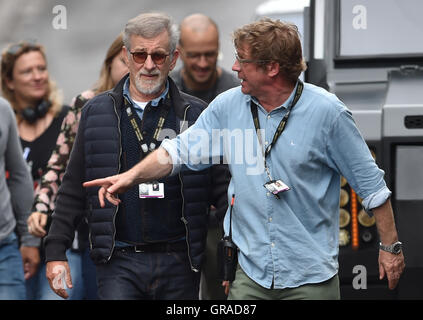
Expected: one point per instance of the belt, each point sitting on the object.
(155, 247)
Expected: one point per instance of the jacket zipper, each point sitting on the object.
(89, 228)
(184, 220)
(119, 165)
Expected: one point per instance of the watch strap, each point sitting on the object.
(394, 248)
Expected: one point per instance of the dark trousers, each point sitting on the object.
(211, 286)
(131, 275)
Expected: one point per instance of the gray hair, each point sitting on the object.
(150, 25)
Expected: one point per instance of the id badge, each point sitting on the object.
(151, 190)
(276, 186)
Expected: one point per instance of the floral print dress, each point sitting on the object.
(46, 192)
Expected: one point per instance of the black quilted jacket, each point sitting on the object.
(96, 154)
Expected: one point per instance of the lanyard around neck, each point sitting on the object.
(281, 126)
(145, 149)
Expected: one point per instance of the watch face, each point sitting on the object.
(397, 248)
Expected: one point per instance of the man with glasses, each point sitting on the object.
(201, 77)
(305, 139)
(150, 246)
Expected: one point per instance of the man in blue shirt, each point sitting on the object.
(287, 144)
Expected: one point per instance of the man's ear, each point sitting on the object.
(174, 59)
(273, 69)
(125, 55)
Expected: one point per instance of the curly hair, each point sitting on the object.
(273, 40)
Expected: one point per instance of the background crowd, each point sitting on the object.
(46, 128)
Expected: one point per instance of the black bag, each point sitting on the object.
(227, 259)
(227, 253)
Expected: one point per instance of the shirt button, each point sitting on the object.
(268, 117)
(266, 143)
(270, 219)
(273, 245)
(268, 194)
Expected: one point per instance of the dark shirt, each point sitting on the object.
(226, 81)
(37, 152)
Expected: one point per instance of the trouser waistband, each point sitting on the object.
(155, 247)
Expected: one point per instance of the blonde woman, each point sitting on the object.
(37, 104)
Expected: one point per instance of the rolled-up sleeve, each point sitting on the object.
(376, 199)
(351, 156)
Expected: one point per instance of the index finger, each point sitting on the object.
(95, 183)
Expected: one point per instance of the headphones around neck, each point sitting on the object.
(31, 114)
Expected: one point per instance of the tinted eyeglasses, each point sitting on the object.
(157, 57)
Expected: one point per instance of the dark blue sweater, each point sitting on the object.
(141, 221)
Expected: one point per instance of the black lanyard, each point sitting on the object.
(145, 149)
(281, 127)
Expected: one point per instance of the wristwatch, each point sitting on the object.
(394, 248)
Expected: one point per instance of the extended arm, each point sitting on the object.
(157, 165)
(165, 160)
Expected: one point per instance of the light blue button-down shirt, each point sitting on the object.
(294, 240)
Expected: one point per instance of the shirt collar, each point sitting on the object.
(284, 105)
(154, 102)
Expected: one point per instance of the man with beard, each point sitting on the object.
(201, 77)
(287, 238)
(151, 245)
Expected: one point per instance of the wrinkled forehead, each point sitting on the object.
(160, 41)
